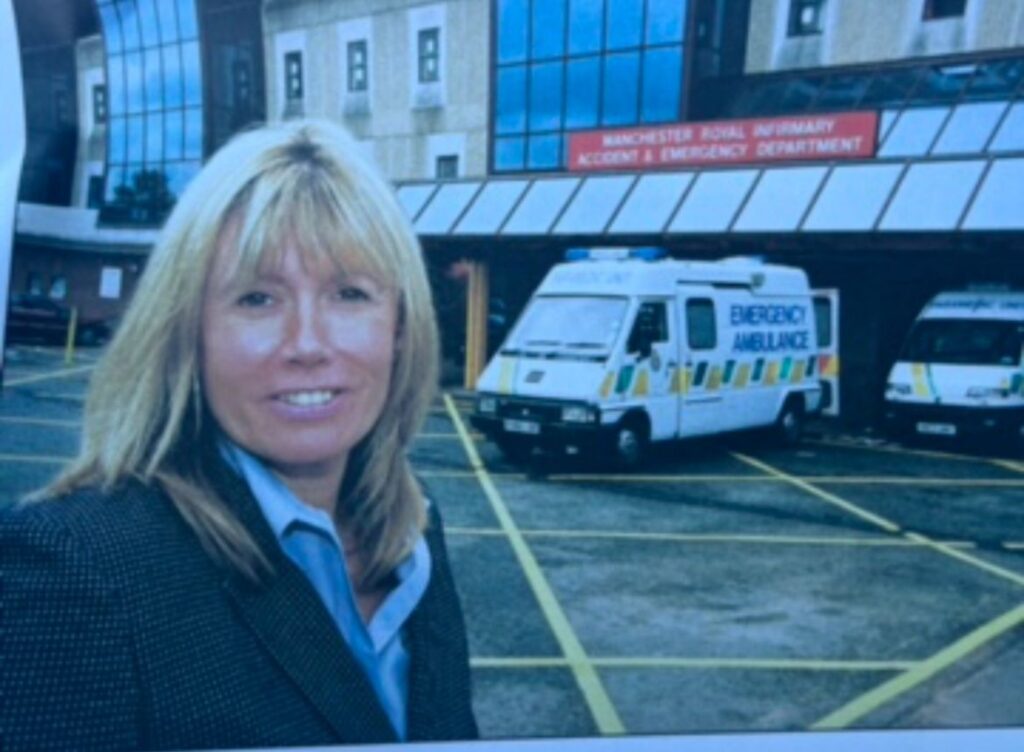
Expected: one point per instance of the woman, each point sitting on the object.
(240, 554)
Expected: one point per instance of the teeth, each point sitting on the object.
(308, 399)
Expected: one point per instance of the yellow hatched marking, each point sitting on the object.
(52, 375)
(42, 422)
(831, 369)
(924, 670)
(642, 385)
(506, 375)
(853, 509)
(887, 525)
(714, 378)
(607, 384)
(600, 704)
(1017, 467)
(902, 450)
(742, 375)
(676, 384)
(687, 379)
(920, 382)
(768, 664)
(798, 371)
(771, 373)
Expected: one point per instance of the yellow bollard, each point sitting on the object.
(69, 347)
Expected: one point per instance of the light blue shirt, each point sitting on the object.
(309, 538)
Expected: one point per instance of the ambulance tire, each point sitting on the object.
(789, 426)
(630, 442)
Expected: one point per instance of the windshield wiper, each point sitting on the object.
(585, 345)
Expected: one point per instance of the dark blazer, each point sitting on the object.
(120, 632)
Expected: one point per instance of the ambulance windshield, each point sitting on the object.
(965, 342)
(568, 326)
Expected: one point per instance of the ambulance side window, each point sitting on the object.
(823, 321)
(701, 333)
(651, 326)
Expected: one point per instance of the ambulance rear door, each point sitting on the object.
(826, 319)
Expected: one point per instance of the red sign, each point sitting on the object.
(847, 135)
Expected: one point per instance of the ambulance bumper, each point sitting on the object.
(536, 424)
(909, 419)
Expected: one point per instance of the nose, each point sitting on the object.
(306, 340)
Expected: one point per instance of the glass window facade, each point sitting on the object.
(568, 65)
(155, 133)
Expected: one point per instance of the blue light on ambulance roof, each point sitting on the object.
(642, 253)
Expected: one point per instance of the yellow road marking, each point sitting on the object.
(42, 422)
(1017, 467)
(926, 669)
(787, 540)
(34, 458)
(769, 664)
(853, 509)
(886, 524)
(601, 707)
(831, 479)
(51, 375)
(897, 450)
(467, 474)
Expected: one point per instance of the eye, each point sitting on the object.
(255, 299)
(353, 293)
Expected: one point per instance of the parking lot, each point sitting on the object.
(726, 586)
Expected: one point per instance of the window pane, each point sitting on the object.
(544, 152)
(548, 29)
(511, 100)
(154, 89)
(582, 93)
(172, 76)
(445, 207)
(115, 179)
(997, 206)
(154, 137)
(620, 89)
(509, 153)
(932, 196)
(192, 77)
(823, 321)
(117, 140)
(168, 21)
(941, 84)
(853, 197)
(624, 18)
(890, 89)
(115, 86)
(651, 203)
(593, 205)
(136, 139)
(111, 29)
(1010, 136)
(700, 324)
(540, 206)
(491, 207)
(511, 30)
(174, 134)
(546, 97)
(187, 19)
(713, 201)
(585, 20)
(969, 128)
(842, 93)
(129, 24)
(665, 20)
(663, 70)
(780, 199)
(193, 133)
(914, 132)
(148, 22)
(133, 71)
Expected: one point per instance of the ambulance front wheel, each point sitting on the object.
(630, 443)
(789, 426)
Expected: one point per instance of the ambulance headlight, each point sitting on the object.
(896, 389)
(487, 405)
(577, 414)
(987, 392)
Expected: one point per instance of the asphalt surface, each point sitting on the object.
(727, 586)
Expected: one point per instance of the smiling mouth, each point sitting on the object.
(310, 398)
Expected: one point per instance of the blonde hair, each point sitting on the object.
(144, 416)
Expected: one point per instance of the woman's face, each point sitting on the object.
(296, 364)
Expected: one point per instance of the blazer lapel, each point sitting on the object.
(289, 619)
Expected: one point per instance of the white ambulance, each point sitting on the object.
(613, 353)
(961, 372)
